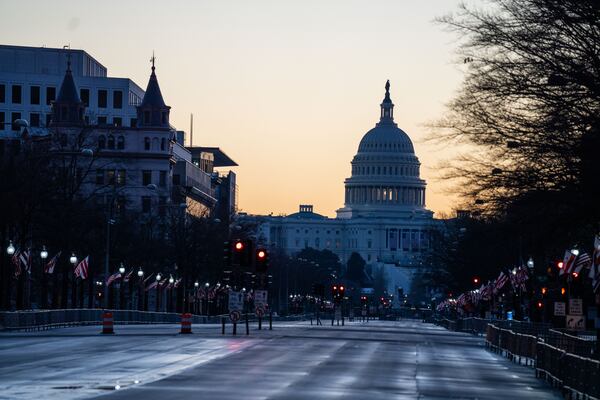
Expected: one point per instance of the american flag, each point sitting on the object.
(583, 261)
(568, 262)
(112, 278)
(500, 282)
(177, 282)
(49, 268)
(17, 263)
(486, 292)
(81, 271)
(21, 259)
(128, 276)
(152, 285)
(595, 267)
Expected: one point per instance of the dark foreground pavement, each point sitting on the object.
(374, 360)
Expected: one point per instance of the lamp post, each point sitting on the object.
(196, 285)
(157, 300)
(73, 261)
(170, 293)
(10, 250)
(43, 282)
(140, 275)
(206, 286)
(122, 286)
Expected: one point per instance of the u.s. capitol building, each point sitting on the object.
(384, 218)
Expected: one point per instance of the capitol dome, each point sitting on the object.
(385, 171)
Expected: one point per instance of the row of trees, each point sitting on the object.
(528, 112)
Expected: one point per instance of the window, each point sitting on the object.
(2, 123)
(34, 95)
(16, 94)
(85, 96)
(146, 204)
(146, 143)
(34, 119)
(2, 93)
(162, 203)
(101, 120)
(146, 177)
(121, 142)
(162, 178)
(102, 98)
(117, 121)
(111, 142)
(117, 99)
(163, 144)
(133, 122)
(121, 177)
(50, 95)
(101, 142)
(369, 243)
(99, 177)
(15, 116)
(110, 176)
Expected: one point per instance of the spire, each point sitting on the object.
(68, 109)
(153, 111)
(387, 107)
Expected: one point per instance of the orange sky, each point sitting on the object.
(287, 89)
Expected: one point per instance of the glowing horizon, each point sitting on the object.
(287, 90)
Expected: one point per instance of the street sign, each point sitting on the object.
(260, 311)
(260, 298)
(559, 308)
(576, 322)
(236, 301)
(575, 307)
(235, 316)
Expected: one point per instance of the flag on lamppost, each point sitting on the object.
(568, 262)
(49, 267)
(583, 261)
(21, 259)
(112, 278)
(17, 263)
(128, 276)
(81, 271)
(152, 286)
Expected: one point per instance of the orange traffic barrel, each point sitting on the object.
(107, 323)
(186, 323)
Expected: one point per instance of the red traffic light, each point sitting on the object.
(540, 304)
(560, 265)
(475, 280)
(341, 288)
(239, 246)
(335, 288)
(261, 254)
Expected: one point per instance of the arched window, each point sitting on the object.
(111, 142)
(163, 145)
(146, 143)
(101, 142)
(121, 142)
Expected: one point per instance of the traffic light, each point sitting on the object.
(337, 292)
(364, 300)
(544, 291)
(227, 253)
(261, 260)
(563, 291)
(475, 280)
(540, 304)
(242, 253)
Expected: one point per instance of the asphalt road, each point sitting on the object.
(374, 360)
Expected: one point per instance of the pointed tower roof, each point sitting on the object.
(153, 96)
(387, 107)
(68, 91)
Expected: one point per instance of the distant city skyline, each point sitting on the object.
(287, 90)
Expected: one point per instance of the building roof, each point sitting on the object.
(221, 159)
(68, 91)
(153, 96)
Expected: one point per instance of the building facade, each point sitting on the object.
(30, 78)
(384, 218)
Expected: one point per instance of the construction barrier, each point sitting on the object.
(107, 323)
(186, 323)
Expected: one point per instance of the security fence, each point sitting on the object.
(568, 360)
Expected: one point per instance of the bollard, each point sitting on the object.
(222, 326)
(270, 320)
(342, 320)
(107, 323)
(234, 328)
(260, 323)
(186, 323)
(247, 326)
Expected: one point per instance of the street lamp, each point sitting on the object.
(140, 272)
(157, 300)
(10, 250)
(530, 263)
(171, 280)
(73, 259)
(121, 269)
(158, 277)
(44, 253)
(575, 252)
